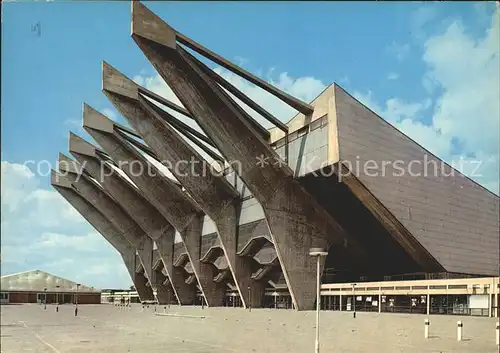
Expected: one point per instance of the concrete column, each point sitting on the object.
(297, 222)
(216, 197)
(94, 194)
(102, 225)
(380, 303)
(173, 203)
(428, 303)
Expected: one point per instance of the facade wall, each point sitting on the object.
(52, 298)
(307, 147)
(454, 218)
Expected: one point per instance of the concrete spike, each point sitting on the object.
(145, 25)
(77, 144)
(68, 165)
(113, 81)
(60, 180)
(93, 119)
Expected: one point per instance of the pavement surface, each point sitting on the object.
(106, 328)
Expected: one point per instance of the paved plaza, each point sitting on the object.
(106, 328)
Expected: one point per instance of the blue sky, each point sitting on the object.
(431, 69)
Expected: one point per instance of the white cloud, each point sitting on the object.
(40, 230)
(392, 76)
(17, 182)
(465, 70)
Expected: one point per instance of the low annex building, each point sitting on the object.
(38, 287)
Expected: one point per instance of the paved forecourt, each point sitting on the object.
(106, 328)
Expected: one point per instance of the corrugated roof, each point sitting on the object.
(37, 281)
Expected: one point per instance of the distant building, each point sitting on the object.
(38, 287)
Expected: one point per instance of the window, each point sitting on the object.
(320, 122)
(316, 124)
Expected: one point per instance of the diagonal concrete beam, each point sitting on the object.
(296, 220)
(217, 198)
(136, 206)
(104, 203)
(173, 203)
(63, 185)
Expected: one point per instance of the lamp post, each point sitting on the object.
(354, 300)
(76, 299)
(57, 299)
(249, 298)
(317, 252)
(45, 299)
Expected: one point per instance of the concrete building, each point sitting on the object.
(335, 176)
(41, 287)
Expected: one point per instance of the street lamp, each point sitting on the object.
(354, 300)
(249, 298)
(317, 252)
(57, 299)
(45, 299)
(76, 299)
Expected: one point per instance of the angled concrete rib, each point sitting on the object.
(136, 206)
(174, 204)
(216, 197)
(62, 184)
(296, 220)
(104, 203)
